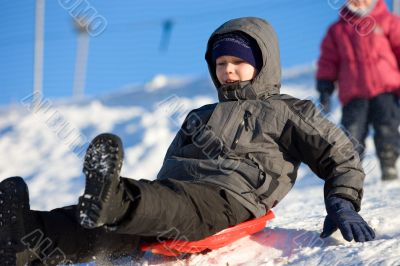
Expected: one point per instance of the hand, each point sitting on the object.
(341, 214)
(325, 101)
(325, 88)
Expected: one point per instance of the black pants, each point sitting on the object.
(55, 237)
(383, 113)
(158, 210)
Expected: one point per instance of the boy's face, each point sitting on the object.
(362, 4)
(230, 69)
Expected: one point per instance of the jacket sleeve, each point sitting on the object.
(314, 140)
(394, 37)
(328, 61)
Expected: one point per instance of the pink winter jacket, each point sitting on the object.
(362, 54)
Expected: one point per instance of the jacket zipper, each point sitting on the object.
(243, 125)
(246, 117)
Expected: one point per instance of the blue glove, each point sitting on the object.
(342, 215)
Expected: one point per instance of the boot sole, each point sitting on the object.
(14, 199)
(102, 166)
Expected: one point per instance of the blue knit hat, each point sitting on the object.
(240, 45)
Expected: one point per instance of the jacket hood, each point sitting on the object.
(268, 80)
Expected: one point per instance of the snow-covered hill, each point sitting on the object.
(46, 146)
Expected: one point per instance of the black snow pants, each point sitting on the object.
(383, 112)
(161, 209)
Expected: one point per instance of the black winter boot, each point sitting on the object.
(14, 205)
(389, 173)
(388, 159)
(102, 203)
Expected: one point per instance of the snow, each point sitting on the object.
(162, 81)
(46, 147)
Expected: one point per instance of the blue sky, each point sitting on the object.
(127, 51)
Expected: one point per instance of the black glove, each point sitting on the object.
(325, 101)
(342, 215)
(325, 88)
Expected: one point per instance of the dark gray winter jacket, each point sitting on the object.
(252, 142)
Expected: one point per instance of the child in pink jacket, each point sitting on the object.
(361, 54)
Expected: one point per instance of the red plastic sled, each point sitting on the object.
(178, 247)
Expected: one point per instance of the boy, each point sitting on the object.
(230, 161)
(361, 52)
